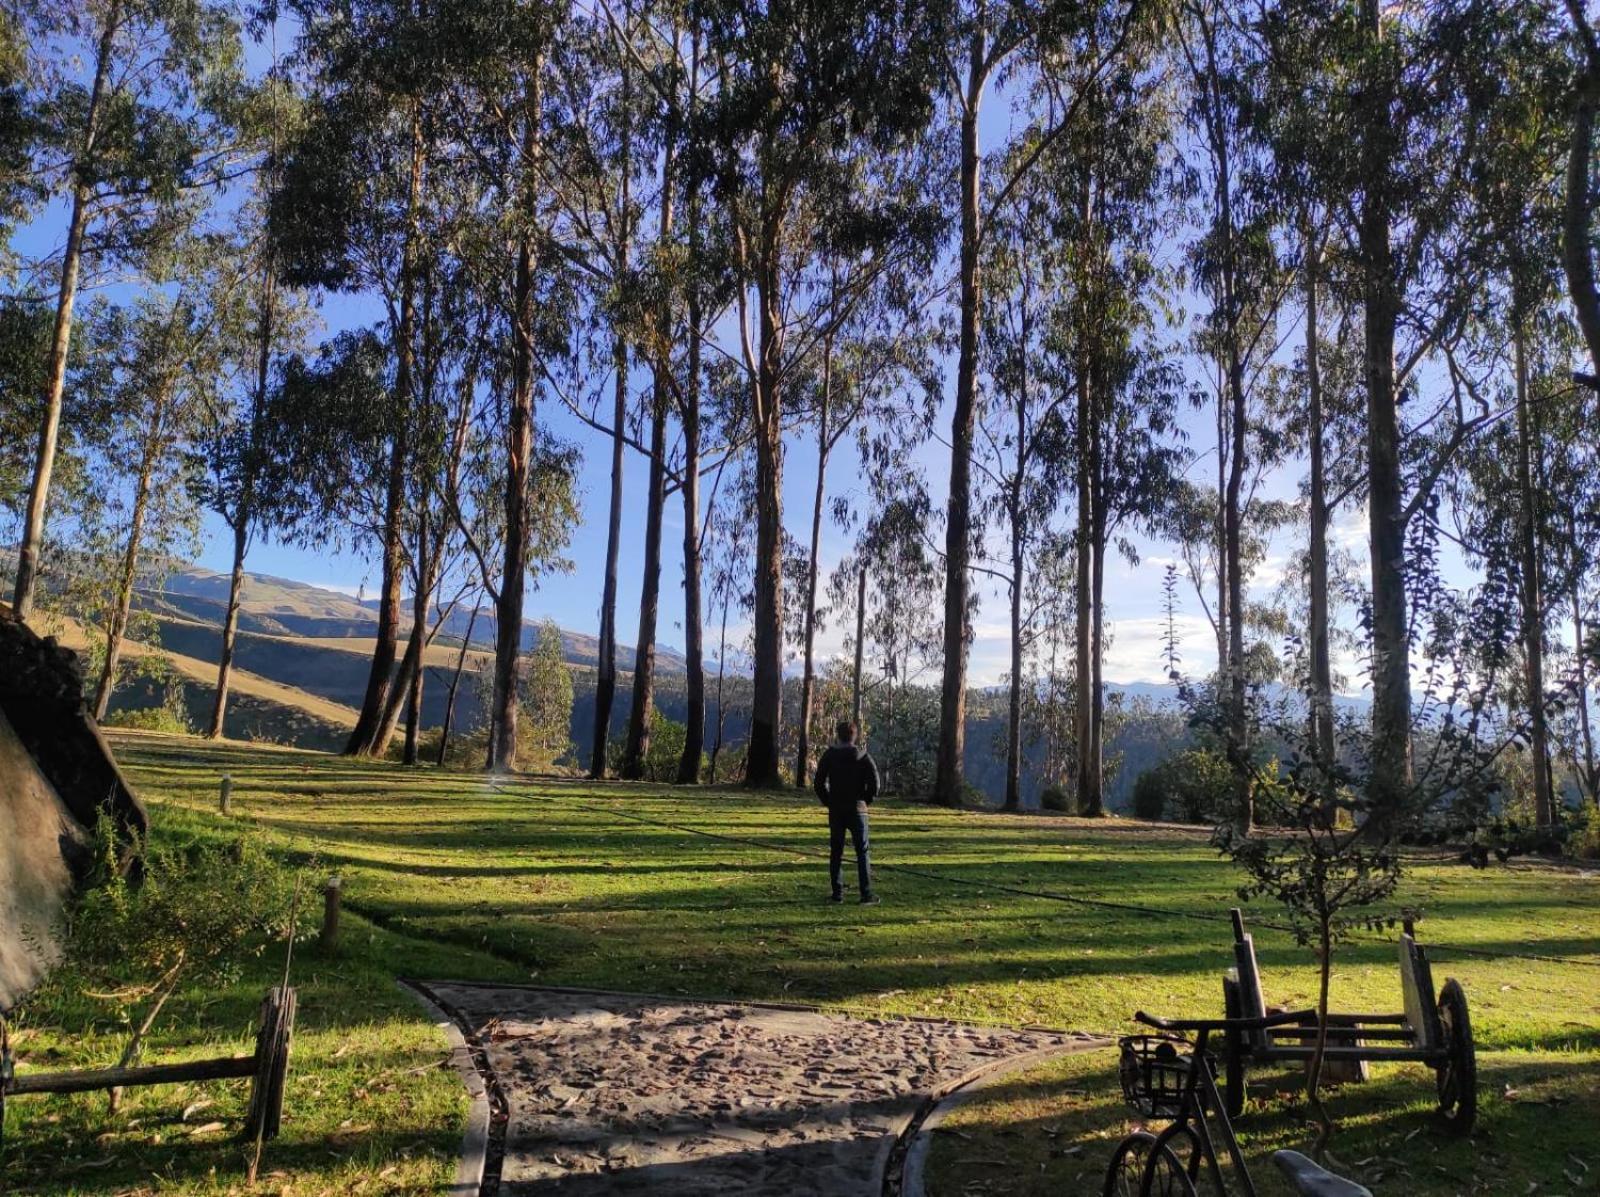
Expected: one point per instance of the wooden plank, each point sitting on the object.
(1416, 984)
(89, 1079)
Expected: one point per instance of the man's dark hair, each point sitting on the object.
(846, 731)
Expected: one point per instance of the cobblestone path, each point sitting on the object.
(617, 1094)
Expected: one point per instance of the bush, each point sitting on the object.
(1057, 799)
(163, 719)
(1194, 786)
(200, 910)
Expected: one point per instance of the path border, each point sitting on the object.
(917, 1138)
(475, 1137)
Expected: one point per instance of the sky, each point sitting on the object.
(1133, 590)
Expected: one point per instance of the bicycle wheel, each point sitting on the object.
(1131, 1173)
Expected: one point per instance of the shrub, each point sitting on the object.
(164, 719)
(1194, 786)
(1057, 799)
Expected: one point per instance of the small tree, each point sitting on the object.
(546, 734)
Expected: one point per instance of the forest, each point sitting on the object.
(1000, 295)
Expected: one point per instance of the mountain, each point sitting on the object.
(283, 607)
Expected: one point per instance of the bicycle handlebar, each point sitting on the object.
(1225, 1024)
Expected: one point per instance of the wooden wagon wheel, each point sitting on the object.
(273, 1042)
(1457, 1073)
(1233, 1052)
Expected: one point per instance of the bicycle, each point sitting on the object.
(1161, 1082)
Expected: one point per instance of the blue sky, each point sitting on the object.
(1133, 592)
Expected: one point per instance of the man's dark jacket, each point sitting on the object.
(846, 775)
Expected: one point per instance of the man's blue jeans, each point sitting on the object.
(854, 822)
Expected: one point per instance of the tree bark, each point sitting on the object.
(808, 676)
(363, 738)
(455, 685)
(948, 774)
(1013, 799)
(244, 513)
(1532, 588)
(1320, 664)
(118, 626)
(1588, 767)
(1576, 229)
(519, 456)
(861, 638)
(644, 670)
(605, 678)
(23, 595)
(761, 756)
(694, 736)
(1391, 653)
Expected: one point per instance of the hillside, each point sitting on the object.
(303, 654)
(283, 607)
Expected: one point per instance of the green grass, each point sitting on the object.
(605, 886)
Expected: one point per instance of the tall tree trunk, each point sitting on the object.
(694, 734)
(455, 685)
(1095, 760)
(948, 774)
(245, 512)
(1589, 767)
(363, 739)
(722, 709)
(861, 639)
(1088, 777)
(519, 455)
(1532, 588)
(761, 756)
(605, 679)
(808, 676)
(1577, 223)
(117, 628)
(22, 599)
(644, 669)
(637, 749)
(694, 730)
(1013, 800)
(1321, 666)
(1391, 652)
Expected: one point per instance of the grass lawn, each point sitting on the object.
(606, 886)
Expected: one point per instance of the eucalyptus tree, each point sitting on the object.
(988, 39)
(800, 90)
(133, 116)
(347, 215)
(1024, 442)
(1520, 148)
(1403, 82)
(870, 380)
(1236, 269)
(276, 324)
(155, 370)
(1106, 337)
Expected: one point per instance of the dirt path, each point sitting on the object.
(618, 1094)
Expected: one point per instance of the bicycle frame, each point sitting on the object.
(1199, 1091)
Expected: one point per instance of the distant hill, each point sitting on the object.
(283, 607)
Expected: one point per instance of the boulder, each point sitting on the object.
(57, 775)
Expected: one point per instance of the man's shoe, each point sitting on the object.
(870, 899)
(836, 898)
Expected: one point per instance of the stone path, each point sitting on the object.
(609, 1093)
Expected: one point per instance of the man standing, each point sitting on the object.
(846, 783)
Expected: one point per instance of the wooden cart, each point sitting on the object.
(268, 1067)
(1431, 1031)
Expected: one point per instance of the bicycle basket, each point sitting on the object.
(1154, 1071)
